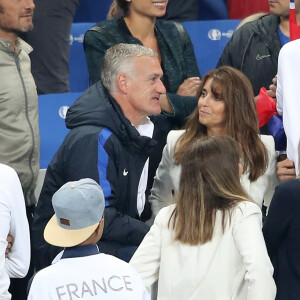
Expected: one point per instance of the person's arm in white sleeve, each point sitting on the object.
(146, 259)
(4, 229)
(250, 242)
(15, 224)
(279, 94)
(162, 192)
(270, 176)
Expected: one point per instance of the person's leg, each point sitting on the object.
(50, 39)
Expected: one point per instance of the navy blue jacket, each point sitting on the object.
(282, 235)
(104, 146)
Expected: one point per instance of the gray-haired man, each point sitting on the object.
(110, 141)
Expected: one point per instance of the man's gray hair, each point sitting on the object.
(119, 59)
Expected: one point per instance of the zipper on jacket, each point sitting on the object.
(264, 38)
(28, 121)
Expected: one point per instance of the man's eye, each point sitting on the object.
(203, 95)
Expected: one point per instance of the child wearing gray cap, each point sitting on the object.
(80, 271)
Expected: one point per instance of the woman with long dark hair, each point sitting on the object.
(225, 107)
(209, 245)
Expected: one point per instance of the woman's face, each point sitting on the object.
(212, 109)
(148, 8)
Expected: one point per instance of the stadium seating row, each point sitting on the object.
(209, 39)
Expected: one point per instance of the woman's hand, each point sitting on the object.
(189, 87)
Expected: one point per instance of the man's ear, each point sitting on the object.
(100, 227)
(122, 83)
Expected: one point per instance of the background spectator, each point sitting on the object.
(13, 222)
(288, 98)
(50, 40)
(19, 128)
(241, 9)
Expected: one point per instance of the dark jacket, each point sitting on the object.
(253, 49)
(178, 58)
(282, 235)
(104, 146)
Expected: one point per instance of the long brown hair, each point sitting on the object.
(240, 118)
(118, 9)
(209, 182)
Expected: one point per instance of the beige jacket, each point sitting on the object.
(19, 129)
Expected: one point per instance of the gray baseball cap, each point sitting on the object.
(78, 207)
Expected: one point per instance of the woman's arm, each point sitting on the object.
(270, 177)
(250, 243)
(163, 188)
(13, 221)
(146, 259)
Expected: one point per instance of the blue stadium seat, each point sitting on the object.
(79, 77)
(52, 112)
(212, 10)
(92, 11)
(209, 39)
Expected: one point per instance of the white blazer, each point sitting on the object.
(167, 176)
(13, 221)
(234, 265)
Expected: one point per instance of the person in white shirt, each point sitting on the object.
(13, 222)
(288, 97)
(209, 245)
(80, 271)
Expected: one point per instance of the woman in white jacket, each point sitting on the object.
(13, 222)
(209, 245)
(226, 107)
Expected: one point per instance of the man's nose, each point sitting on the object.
(160, 87)
(30, 4)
